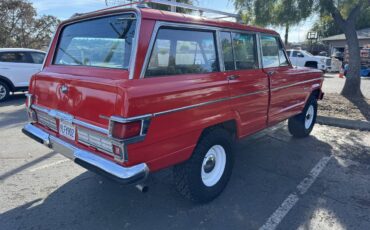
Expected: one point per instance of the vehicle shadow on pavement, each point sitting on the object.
(13, 119)
(15, 99)
(266, 171)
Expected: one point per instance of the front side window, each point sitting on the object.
(177, 52)
(103, 42)
(273, 52)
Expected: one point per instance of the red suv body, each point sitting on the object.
(126, 92)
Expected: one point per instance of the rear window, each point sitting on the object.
(104, 42)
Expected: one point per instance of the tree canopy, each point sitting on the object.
(326, 25)
(20, 26)
(284, 13)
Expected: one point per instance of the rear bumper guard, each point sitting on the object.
(88, 160)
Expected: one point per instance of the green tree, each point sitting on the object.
(345, 14)
(20, 26)
(326, 26)
(284, 13)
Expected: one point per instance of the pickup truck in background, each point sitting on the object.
(305, 59)
(154, 89)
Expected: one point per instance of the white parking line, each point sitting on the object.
(293, 198)
(49, 165)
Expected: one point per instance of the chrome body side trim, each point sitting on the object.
(88, 159)
(297, 83)
(206, 103)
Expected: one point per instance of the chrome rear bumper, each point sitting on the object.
(88, 159)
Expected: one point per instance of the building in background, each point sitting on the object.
(337, 43)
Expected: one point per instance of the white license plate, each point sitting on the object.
(67, 130)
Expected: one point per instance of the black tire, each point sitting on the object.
(4, 88)
(297, 124)
(188, 175)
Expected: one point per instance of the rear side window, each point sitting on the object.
(177, 52)
(38, 58)
(15, 57)
(103, 42)
(239, 51)
(273, 52)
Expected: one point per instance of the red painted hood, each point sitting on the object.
(90, 94)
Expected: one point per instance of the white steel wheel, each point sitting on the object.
(213, 165)
(309, 117)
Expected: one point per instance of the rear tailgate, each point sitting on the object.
(86, 98)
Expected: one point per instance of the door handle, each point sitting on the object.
(270, 73)
(232, 77)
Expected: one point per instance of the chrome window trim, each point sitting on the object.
(135, 11)
(221, 63)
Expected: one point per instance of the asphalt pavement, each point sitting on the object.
(278, 182)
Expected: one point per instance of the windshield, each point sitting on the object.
(306, 53)
(103, 42)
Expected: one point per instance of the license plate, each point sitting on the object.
(67, 130)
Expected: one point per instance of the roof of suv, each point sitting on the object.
(19, 49)
(148, 13)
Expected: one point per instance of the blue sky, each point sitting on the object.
(64, 9)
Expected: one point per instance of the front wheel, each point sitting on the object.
(302, 124)
(203, 177)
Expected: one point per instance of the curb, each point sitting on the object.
(344, 123)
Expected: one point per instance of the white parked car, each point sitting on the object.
(17, 65)
(304, 58)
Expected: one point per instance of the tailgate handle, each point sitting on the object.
(232, 77)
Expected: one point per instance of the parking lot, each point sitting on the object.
(321, 182)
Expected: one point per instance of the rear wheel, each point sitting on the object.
(302, 124)
(4, 91)
(203, 177)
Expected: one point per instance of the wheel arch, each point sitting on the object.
(8, 82)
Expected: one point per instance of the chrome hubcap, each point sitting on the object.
(210, 164)
(2, 92)
(309, 117)
(213, 165)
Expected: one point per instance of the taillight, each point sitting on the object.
(126, 130)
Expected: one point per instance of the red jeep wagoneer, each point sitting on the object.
(129, 91)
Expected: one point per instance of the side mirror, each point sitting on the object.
(300, 55)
